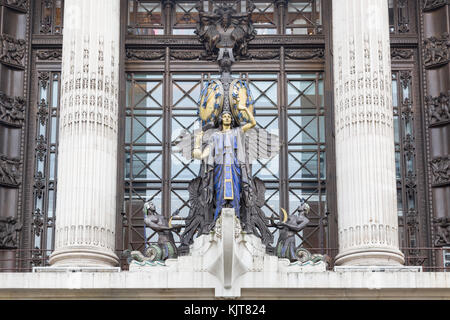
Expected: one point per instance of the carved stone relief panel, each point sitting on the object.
(437, 51)
(9, 171)
(9, 227)
(438, 109)
(12, 51)
(12, 110)
(440, 169)
(433, 4)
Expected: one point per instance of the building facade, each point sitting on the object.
(94, 94)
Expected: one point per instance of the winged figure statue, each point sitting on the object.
(227, 144)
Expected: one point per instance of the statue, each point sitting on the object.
(227, 142)
(225, 30)
(165, 248)
(290, 225)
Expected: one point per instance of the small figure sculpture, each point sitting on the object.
(165, 248)
(292, 224)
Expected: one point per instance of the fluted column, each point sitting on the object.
(365, 155)
(87, 153)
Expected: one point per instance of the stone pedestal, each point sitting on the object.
(365, 155)
(87, 153)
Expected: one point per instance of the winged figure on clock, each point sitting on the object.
(227, 144)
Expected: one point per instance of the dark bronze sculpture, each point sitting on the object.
(291, 225)
(225, 30)
(165, 248)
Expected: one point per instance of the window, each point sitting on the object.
(304, 17)
(153, 172)
(44, 196)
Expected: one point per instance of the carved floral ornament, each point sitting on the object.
(12, 51)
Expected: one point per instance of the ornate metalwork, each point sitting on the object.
(43, 78)
(430, 5)
(405, 78)
(41, 147)
(133, 54)
(9, 171)
(39, 184)
(185, 55)
(12, 51)
(12, 110)
(440, 169)
(401, 54)
(36, 257)
(38, 222)
(264, 54)
(9, 227)
(307, 54)
(49, 54)
(438, 109)
(437, 51)
(42, 111)
(399, 16)
(408, 146)
(403, 18)
(225, 30)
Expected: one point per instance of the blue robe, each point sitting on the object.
(228, 174)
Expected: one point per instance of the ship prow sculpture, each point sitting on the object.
(233, 233)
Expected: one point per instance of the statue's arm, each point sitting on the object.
(252, 122)
(198, 153)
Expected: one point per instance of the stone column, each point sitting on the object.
(365, 156)
(87, 154)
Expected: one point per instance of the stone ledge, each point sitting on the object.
(201, 285)
(76, 269)
(378, 269)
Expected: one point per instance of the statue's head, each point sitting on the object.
(149, 207)
(226, 118)
(225, 11)
(303, 208)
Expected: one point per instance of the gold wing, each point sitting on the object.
(240, 95)
(210, 102)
